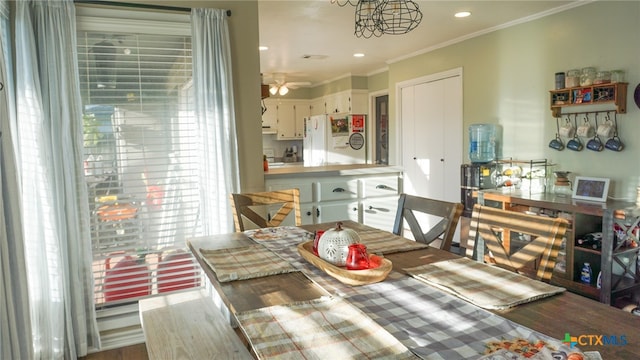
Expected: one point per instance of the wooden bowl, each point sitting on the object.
(349, 277)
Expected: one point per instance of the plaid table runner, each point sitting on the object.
(487, 286)
(377, 242)
(318, 329)
(245, 262)
(431, 323)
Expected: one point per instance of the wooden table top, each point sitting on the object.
(593, 322)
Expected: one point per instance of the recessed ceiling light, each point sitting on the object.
(263, 48)
(462, 14)
(358, 55)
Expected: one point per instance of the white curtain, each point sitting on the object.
(214, 108)
(15, 327)
(56, 227)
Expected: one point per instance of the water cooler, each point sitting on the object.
(480, 174)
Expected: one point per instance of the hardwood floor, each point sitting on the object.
(133, 352)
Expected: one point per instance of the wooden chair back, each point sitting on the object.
(448, 213)
(489, 225)
(244, 206)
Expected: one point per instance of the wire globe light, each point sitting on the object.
(379, 17)
(345, 2)
(367, 21)
(398, 17)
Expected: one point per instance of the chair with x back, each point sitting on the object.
(261, 208)
(497, 229)
(445, 213)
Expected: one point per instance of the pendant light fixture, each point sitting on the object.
(397, 17)
(342, 3)
(379, 17)
(367, 21)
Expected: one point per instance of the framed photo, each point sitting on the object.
(590, 188)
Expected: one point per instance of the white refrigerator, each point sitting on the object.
(334, 139)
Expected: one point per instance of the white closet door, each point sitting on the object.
(432, 138)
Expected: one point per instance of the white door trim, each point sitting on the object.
(398, 108)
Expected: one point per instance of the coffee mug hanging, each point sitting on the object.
(614, 143)
(575, 143)
(557, 143)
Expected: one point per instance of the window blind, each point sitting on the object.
(140, 162)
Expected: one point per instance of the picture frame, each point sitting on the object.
(590, 188)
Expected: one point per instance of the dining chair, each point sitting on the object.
(410, 209)
(540, 239)
(257, 208)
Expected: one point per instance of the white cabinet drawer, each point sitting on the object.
(380, 213)
(306, 193)
(338, 211)
(380, 186)
(338, 190)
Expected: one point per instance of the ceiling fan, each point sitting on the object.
(279, 85)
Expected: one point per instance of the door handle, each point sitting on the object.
(339, 190)
(317, 213)
(383, 187)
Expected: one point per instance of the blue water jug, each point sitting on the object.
(482, 143)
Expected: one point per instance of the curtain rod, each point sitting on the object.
(134, 5)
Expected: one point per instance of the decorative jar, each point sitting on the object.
(588, 76)
(333, 246)
(572, 79)
(602, 77)
(617, 76)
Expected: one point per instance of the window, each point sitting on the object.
(140, 156)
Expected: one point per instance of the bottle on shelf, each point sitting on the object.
(585, 274)
(265, 163)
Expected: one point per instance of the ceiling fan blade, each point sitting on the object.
(297, 84)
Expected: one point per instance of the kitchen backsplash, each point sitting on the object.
(280, 147)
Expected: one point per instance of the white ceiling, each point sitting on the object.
(294, 28)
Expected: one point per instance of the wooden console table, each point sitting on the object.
(616, 263)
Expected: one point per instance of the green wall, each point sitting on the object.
(507, 75)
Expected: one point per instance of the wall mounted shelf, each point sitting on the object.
(610, 93)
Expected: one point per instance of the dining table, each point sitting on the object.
(265, 285)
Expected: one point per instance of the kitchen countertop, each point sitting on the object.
(297, 169)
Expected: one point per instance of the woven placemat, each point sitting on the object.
(486, 286)
(245, 262)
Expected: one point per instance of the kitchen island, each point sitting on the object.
(365, 193)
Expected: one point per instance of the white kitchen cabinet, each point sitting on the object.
(359, 102)
(307, 213)
(380, 200)
(380, 213)
(367, 196)
(270, 117)
(291, 114)
(337, 189)
(338, 103)
(338, 211)
(317, 107)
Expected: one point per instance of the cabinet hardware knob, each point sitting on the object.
(308, 213)
(355, 209)
(414, 158)
(382, 186)
(339, 190)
